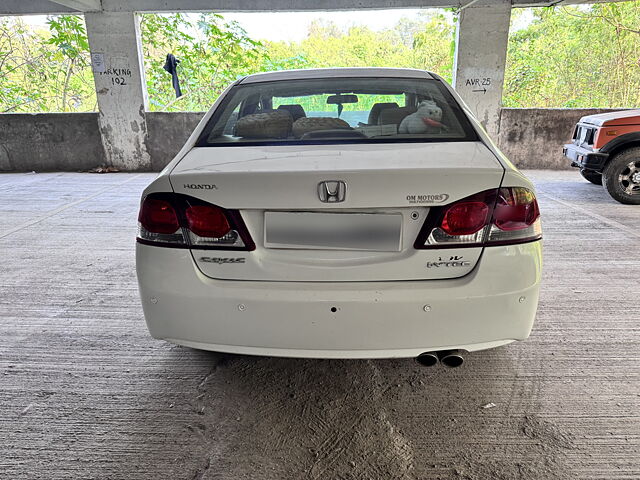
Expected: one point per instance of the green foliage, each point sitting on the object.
(423, 43)
(69, 35)
(434, 46)
(318, 103)
(586, 56)
(576, 57)
(212, 54)
(45, 70)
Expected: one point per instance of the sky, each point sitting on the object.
(293, 26)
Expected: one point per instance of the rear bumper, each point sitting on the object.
(584, 157)
(493, 305)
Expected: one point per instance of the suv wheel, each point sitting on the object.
(593, 177)
(621, 176)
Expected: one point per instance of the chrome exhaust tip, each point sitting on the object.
(427, 359)
(451, 358)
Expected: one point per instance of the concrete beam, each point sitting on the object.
(116, 55)
(41, 7)
(302, 5)
(270, 5)
(33, 7)
(81, 5)
(480, 58)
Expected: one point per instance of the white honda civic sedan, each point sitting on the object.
(340, 213)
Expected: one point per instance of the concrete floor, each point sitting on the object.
(86, 393)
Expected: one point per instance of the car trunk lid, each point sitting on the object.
(366, 235)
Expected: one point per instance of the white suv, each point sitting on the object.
(340, 213)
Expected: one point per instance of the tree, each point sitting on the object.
(45, 70)
(434, 46)
(211, 51)
(425, 42)
(69, 36)
(576, 57)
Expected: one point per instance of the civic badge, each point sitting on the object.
(332, 191)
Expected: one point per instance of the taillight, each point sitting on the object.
(494, 217)
(516, 217)
(158, 216)
(175, 220)
(465, 218)
(158, 222)
(207, 221)
(515, 209)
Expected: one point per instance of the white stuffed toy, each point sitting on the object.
(427, 116)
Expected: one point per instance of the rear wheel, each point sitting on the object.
(621, 177)
(590, 175)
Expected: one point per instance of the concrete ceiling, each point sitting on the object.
(30, 7)
(80, 5)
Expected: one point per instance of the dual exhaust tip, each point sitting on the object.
(448, 358)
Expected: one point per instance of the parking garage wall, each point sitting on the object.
(531, 138)
(49, 141)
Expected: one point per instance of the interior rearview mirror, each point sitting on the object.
(340, 99)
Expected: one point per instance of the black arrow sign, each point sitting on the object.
(484, 90)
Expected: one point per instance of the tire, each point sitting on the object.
(621, 176)
(590, 175)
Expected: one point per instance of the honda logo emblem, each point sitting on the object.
(332, 191)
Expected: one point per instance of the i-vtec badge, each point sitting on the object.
(200, 186)
(452, 261)
(222, 260)
(449, 264)
(428, 198)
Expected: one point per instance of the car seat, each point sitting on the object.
(374, 114)
(295, 110)
(394, 115)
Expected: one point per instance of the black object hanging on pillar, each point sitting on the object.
(171, 66)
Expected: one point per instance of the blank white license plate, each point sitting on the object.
(333, 231)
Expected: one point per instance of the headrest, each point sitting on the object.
(374, 114)
(394, 115)
(295, 110)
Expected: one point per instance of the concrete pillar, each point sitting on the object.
(116, 56)
(480, 58)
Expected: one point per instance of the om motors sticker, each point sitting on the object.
(433, 198)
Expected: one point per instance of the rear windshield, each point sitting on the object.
(337, 110)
